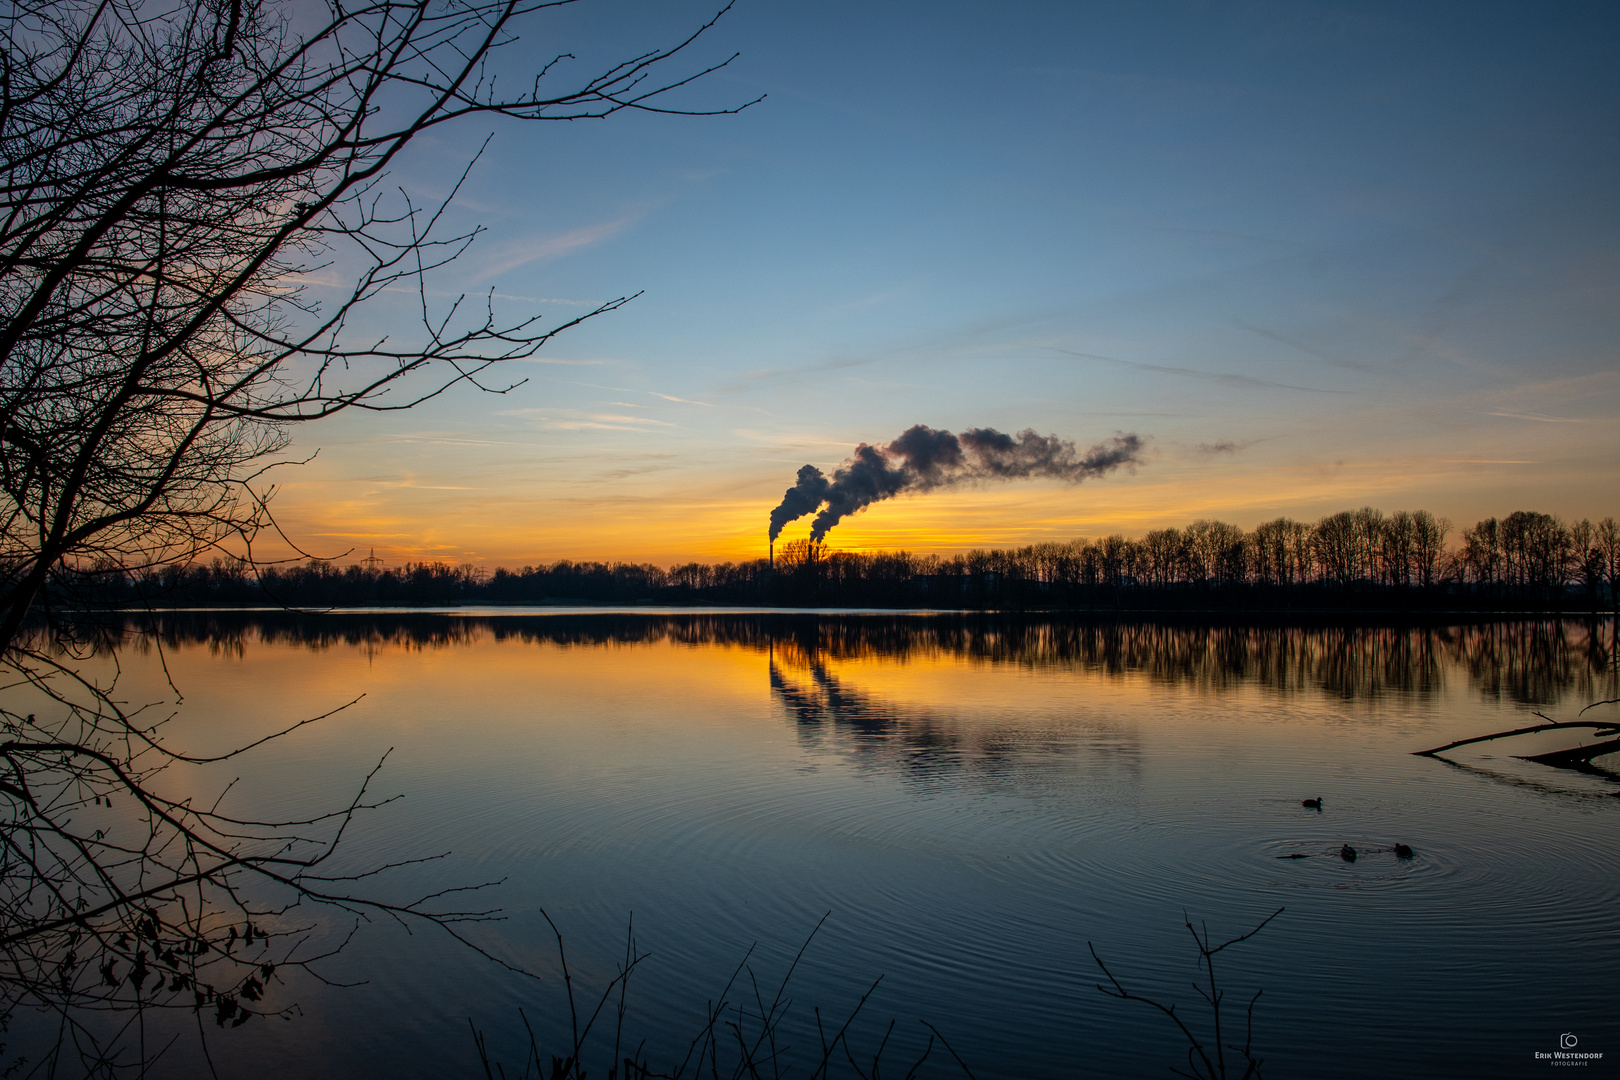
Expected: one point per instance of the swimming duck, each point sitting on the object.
(1313, 804)
(1347, 853)
(1402, 851)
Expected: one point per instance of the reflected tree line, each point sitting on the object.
(1356, 559)
(1526, 661)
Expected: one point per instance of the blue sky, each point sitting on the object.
(1324, 255)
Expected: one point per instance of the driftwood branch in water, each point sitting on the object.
(1607, 729)
(1579, 757)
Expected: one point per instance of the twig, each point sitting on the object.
(1198, 1059)
(1612, 729)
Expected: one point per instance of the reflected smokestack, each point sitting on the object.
(924, 458)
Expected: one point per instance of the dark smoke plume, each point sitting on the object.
(800, 499)
(923, 458)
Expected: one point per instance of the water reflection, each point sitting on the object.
(922, 744)
(1536, 785)
(1537, 662)
(1058, 782)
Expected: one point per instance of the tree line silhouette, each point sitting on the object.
(1355, 559)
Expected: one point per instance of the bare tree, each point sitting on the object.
(1606, 538)
(1397, 549)
(1369, 536)
(1335, 547)
(171, 179)
(1480, 557)
(1429, 545)
(1164, 556)
(1268, 553)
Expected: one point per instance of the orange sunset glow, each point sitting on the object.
(503, 515)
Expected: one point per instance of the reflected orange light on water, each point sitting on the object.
(933, 682)
(498, 704)
(474, 676)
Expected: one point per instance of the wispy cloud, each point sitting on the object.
(637, 390)
(447, 440)
(614, 418)
(1541, 418)
(573, 421)
(1225, 378)
(767, 374)
(1309, 350)
(1225, 446)
(517, 253)
(541, 299)
(625, 474)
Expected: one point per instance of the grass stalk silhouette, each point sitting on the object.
(1199, 1061)
(741, 1034)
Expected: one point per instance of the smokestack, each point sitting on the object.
(923, 458)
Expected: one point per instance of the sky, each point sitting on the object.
(1318, 256)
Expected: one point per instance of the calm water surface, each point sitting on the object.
(972, 801)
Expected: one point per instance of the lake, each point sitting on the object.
(973, 800)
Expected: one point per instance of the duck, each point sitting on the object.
(1313, 804)
(1347, 853)
(1402, 851)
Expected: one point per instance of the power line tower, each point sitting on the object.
(371, 562)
